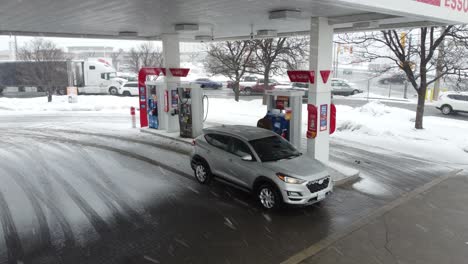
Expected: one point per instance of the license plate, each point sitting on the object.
(320, 196)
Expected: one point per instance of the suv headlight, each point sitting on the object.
(289, 179)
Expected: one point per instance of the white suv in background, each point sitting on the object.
(452, 102)
(129, 89)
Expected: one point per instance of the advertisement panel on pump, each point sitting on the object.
(311, 121)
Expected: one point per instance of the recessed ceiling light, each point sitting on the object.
(267, 33)
(204, 38)
(186, 27)
(285, 14)
(128, 33)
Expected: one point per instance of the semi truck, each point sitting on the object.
(90, 77)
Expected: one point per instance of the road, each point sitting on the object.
(69, 197)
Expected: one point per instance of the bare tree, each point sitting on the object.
(47, 71)
(145, 55)
(115, 57)
(275, 56)
(134, 59)
(370, 46)
(231, 59)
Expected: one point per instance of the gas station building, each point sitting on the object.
(175, 21)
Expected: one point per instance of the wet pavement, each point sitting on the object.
(428, 228)
(74, 201)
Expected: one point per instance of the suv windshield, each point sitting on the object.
(273, 148)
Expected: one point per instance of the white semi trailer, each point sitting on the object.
(90, 76)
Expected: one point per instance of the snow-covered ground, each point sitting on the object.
(374, 124)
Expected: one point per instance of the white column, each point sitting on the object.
(171, 56)
(321, 50)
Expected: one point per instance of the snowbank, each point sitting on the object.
(373, 124)
(100, 103)
(443, 139)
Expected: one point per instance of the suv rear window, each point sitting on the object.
(219, 141)
(239, 148)
(273, 148)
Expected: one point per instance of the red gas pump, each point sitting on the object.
(311, 121)
(143, 97)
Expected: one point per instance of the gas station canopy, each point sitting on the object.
(204, 20)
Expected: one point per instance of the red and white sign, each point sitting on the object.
(431, 2)
(166, 101)
(179, 72)
(325, 75)
(332, 118)
(455, 5)
(302, 76)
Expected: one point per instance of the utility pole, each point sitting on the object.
(440, 61)
(335, 72)
(405, 94)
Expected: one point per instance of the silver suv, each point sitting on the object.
(260, 161)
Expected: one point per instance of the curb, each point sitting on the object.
(348, 179)
(147, 131)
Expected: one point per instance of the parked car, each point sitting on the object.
(258, 87)
(452, 102)
(261, 162)
(129, 89)
(343, 87)
(207, 83)
(244, 81)
(393, 79)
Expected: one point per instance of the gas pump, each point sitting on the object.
(284, 110)
(153, 109)
(170, 105)
(190, 110)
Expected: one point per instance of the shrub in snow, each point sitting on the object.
(375, 108)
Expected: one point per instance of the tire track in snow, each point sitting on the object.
(48, 201)
(96, 221)
(29, 191)
(12, 239)
(109, 148)
(93, 217)
(109, 198)
(109, 187)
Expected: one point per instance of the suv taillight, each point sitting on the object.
(194, 142)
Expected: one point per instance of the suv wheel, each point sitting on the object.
(355, 92)
(126, 93)
(202, 172)
(247, 91)
(446, 109)
(269, 197)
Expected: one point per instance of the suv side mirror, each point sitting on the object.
(247, 158)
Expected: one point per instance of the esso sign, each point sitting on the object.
(179, 72)
(302, 76)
